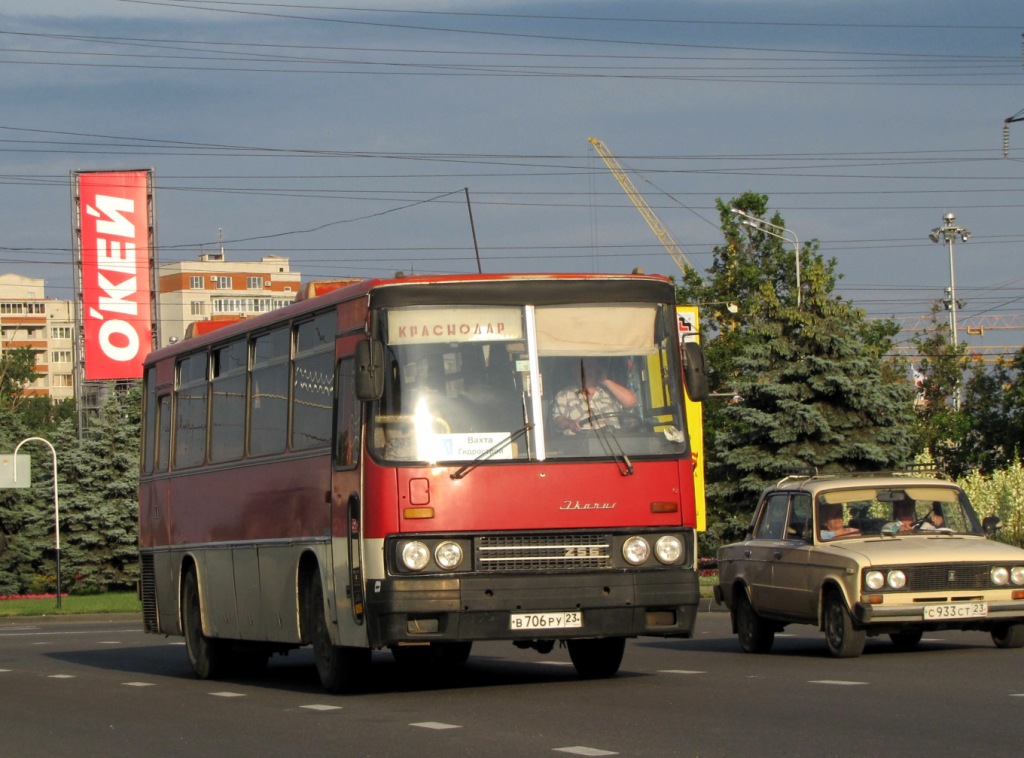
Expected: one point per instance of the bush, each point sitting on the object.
(1000, 493)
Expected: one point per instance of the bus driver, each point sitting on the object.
(594, 403)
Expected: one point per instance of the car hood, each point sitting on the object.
(944, 548)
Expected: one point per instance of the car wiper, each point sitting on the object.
(491, 451)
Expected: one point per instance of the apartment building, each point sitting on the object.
(29, 319)
(212, 287)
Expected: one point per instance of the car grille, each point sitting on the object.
(547, 552)
(939, 578)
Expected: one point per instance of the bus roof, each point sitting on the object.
(438, 284)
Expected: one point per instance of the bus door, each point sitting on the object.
(346, 499)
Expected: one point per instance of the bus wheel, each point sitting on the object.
(341, 669)
(597, 658)
(453, 653)
(209, 657)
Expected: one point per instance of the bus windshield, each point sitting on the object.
(494, 383)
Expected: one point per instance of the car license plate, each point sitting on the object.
(547, 620)
(955, 611)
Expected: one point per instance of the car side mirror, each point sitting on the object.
(991, 524)
(369, 370)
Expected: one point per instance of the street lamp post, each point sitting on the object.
(56, 501)
(773, 230)
(948, 233)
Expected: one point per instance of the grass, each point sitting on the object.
(109, 602)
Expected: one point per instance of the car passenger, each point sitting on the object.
(830, 522)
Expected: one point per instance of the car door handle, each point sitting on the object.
(746, 553)
(777, 555)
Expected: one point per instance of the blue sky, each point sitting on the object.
(343, 135)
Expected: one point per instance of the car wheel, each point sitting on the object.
(1008, 635)
(843, 640)
(756, 635)
(597, 658)
(906, 638)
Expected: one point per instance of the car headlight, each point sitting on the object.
(896, 579)
(636, 550)
(668, 549)
(999, 575)
(415, 556)
(448, 555)
(874, 580)
(1017, 575)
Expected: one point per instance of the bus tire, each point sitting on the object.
(209, 657)
(597, 658)
(341, 669)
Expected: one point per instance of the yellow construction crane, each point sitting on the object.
(652, 220)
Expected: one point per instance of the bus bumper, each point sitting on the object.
(469, 608)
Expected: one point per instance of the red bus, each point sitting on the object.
(390, 465)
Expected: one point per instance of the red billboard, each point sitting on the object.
(114, 213)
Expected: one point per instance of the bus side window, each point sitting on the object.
(163, 425)
(268, 395)
(190, 411)
(150, 435)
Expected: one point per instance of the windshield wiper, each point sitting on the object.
(625, 465)
(491, 451)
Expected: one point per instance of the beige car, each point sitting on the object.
(864, 555)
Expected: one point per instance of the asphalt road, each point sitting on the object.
(104, 688)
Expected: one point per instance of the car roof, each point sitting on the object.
(823, 482)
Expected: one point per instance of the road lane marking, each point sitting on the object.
(62, 676)
(138, 684)
(680, 671)
(582, 750)
(837, 682)
(436, 725)
(227, 694)
(321, 707)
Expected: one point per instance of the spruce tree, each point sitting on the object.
(804, 388)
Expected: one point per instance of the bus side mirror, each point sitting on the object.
(695, 375)
(369, 370)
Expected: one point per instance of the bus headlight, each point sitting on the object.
(636, 550)
(896, 579)
(668, 549)
(999, 575)
(448, 555)
(415, 556)
(874, 580)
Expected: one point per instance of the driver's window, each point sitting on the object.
(800, 517)
(774, 518)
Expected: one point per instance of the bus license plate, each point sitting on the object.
(547, 620)
(955, 611)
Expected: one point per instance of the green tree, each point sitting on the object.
(942, 425)
(809, 384)
(99, 513)
(26, 518)
(17, 371)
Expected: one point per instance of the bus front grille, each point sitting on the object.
(543, 552)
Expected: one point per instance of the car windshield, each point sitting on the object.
(917, 509)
